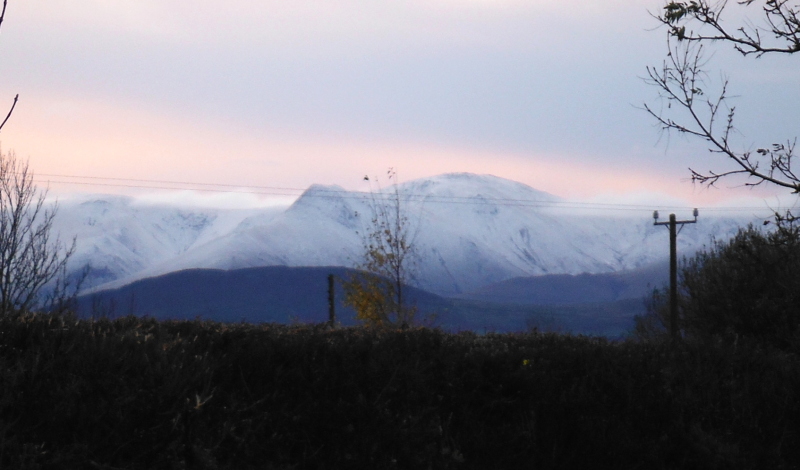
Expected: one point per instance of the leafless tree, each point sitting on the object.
(33, 264)
(32, 261)
(378, 291)
(2, 17)
(685, 87)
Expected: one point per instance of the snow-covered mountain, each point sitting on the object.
(118, 237)
(471, 230)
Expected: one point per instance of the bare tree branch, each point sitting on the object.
(781, 22)
(13, 105)
(31, 260)
(683, 86)
(3, 13)
(2, 17)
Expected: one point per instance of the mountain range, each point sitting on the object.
(471, 231)
(492, 255)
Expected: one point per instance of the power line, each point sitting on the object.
(345, 194)
(430, 198)
(341, 192)
(187, 183)
(119, 185)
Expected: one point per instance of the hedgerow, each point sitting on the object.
(136, 393)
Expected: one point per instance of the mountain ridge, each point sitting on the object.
(471, 231)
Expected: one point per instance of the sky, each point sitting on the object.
(250, 95)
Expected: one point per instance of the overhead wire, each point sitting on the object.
(332, 193)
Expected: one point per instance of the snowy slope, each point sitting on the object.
(471, 230)
(116, 237)
(465, 246)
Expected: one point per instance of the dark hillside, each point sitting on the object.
(554, 289)
(272, 294)
(281, 294)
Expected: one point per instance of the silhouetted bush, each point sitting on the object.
(747, 287)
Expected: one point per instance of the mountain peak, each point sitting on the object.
(323, 190)
(317, 194)
(472, 185)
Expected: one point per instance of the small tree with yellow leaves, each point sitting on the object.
(377, 291)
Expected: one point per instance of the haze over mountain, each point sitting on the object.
(470, 230)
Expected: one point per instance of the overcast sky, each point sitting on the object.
(290, 93)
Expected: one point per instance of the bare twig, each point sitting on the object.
(31, 256)
(2, 17)
(682, 82)
(3, 13)
(14, 104)
(781, 21)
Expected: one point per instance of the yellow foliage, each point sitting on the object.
(375, 301)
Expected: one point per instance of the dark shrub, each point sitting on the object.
(747, 287)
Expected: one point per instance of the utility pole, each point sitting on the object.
(331, 303)
(673, 267)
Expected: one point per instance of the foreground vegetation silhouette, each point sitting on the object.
(745, 287)
(136, 393)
